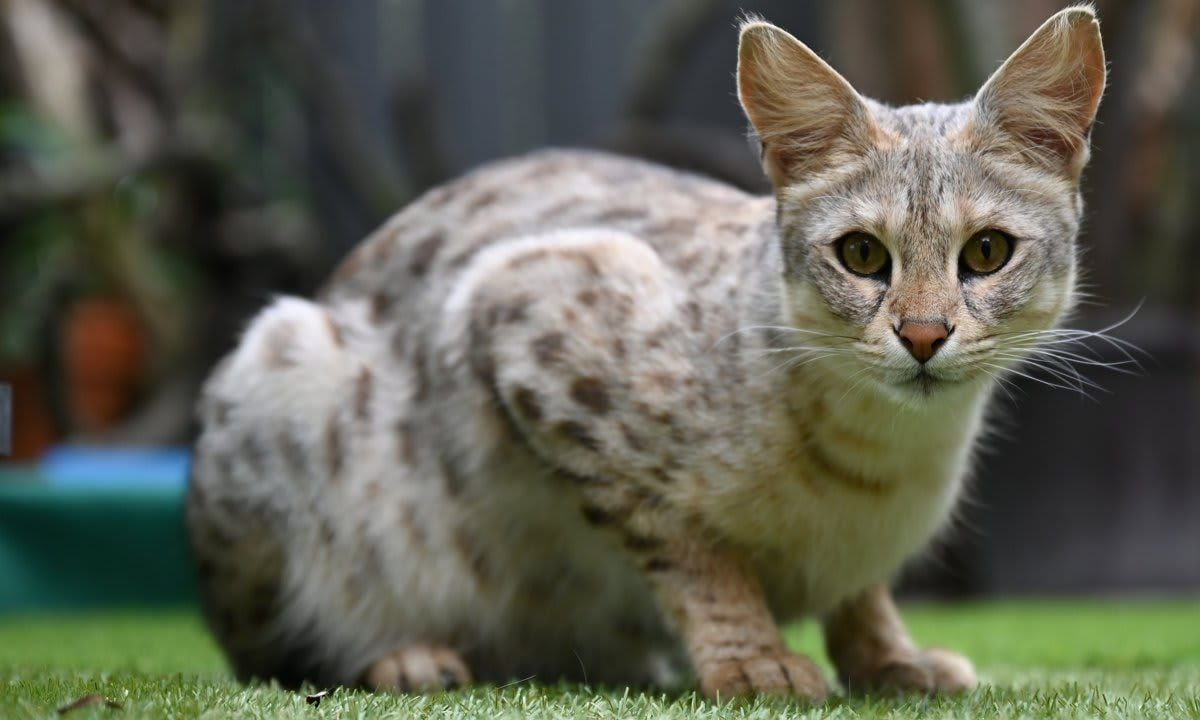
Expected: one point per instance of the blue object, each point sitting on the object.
(75, 466)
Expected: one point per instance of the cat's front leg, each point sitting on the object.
(717, 605)
(867, 641)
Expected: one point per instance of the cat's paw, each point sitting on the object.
(781, 673)
(418, 668)
(928, 672)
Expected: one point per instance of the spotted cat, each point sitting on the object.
(581, 417)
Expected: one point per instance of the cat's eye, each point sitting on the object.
(986, 252)
(863, 254)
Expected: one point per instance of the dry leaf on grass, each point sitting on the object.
(88, 701)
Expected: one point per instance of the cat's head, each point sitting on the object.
(930, 238)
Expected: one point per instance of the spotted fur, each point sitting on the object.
(574, 416)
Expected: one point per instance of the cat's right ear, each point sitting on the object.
(806, 115)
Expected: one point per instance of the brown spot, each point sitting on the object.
(658, 337)
(221, 410)
(641, 543)
(439, 196)
(335, 331)
(483, 364)
(658, 565)
(630, 438)
(404, 442)
(251, 453)
(349, 266)
(672, 226)
(527, 258)
(293, 452)
(578, 434)
(420, 375)
(462, 257)
(423, 254)
(362, 395)
(591, 393)
(661, 380)
(373, 489)
(548, 348)
(688, 261)
(527, 403)
(661, 475)
(587, 297)
(619, 215)
(277, 346)
(695, 315)
(334, 448)
(618, 348)
(381, 304)
(481, 201)
(512, 311)
(584, 258)
(596, 516)
(456, 480)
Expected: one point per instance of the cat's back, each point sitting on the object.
(424, 246)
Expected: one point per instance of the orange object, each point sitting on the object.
(103, 359)
(32, 422)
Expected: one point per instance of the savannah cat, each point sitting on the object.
(580, 417)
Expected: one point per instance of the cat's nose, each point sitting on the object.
(923, 339)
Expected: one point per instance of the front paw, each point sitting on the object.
(776, 673)
(928, 672)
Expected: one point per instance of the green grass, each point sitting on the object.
(1037, 660)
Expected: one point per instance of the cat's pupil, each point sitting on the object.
(864, 250)
(985, 247)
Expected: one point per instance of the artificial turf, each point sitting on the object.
(1037, 660)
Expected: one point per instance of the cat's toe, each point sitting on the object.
(418, 668)
(782, 673)
(952, 674)
(927, 672)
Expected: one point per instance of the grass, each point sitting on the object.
(1037, 660)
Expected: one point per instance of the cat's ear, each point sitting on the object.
(1044, 98)
(805, 113)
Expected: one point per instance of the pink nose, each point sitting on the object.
(923, 339)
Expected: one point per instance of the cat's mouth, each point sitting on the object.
(926, 383)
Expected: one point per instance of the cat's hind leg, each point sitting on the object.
(292, 503)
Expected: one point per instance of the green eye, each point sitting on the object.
(863, 254)
(986, 252)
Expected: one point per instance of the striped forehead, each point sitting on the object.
(911, 191)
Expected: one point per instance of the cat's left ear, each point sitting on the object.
(1044, 98)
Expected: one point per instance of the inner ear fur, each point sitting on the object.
(807, 116)
(1042, 101)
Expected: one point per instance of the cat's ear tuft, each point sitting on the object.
(1044, 98)
(805, 114)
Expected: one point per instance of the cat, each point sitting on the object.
(580, 417)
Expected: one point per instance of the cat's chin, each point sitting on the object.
(925, 386)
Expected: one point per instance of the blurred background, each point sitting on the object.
(166, 167)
